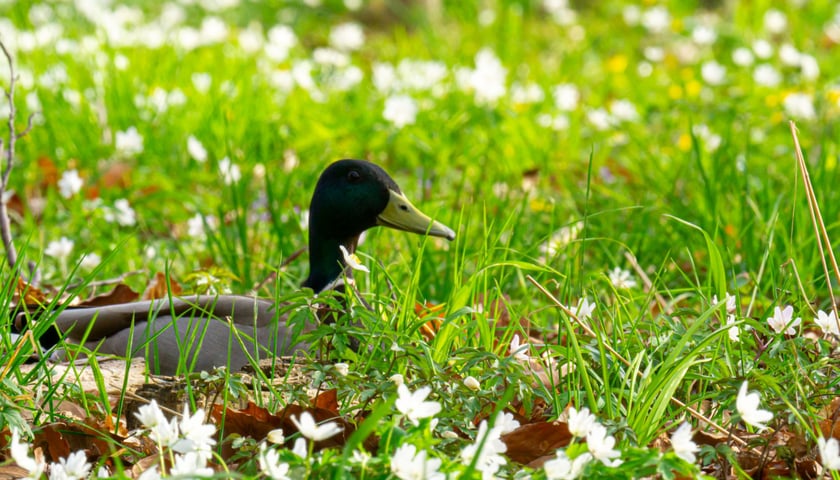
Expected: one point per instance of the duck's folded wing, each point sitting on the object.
(96, 323)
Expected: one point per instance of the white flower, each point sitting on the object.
(122, 213)
(564, 468)
(489, 458)
(747, 405)
(151, 473)
(734, 332)
(197, 435)
(59, 249)
(70, 183)
(809, 66)
(581, 422)
(766, 75)
(487, 80)
(519, 350)
(196, 149)
(789, 55)
(829, 453)
(299, 448)
(276, 436)
(800, 106)
(560, 238)
(471, 383)
(384, 77)
(505, 422)
(601, 446)
(827, 322)
(743, 57)
(703, 35)
(584, 308)
(397, 379)
(421, 75)
(682, 443)
(624, 110)
(90, 261)
(566, 97)
(631, 14)
(330, 57)
(401, 110)
(165, 433)
(409, 464)
(251, 39)
(281, 39)
(19, 452)
(229, 171)
(129, 142)
(713, 73)
(347, 36)
(352, 260)
(195, 226)
(529, 93)
(74, 467)
(783, 321)
(202, 82)
(311, 430)
(414, 405)
(656, 19)
(555, 122)
(762, 49)
(270, 464)
(342, 368)
(710, 139)
(600, 118)
(190, 465)
(621, 278)
(775, 22)
(654, 54)
(150, 415)
(730, 302)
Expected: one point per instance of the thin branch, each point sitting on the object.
(5, 226)
(820, 232)
(28, 128)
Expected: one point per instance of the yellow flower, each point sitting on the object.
(684, 142)
(675, 92)
(617, 63)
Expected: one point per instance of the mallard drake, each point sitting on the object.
(350, 197)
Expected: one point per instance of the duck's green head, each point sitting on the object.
(352, 196)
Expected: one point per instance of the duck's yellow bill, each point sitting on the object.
(402, 215)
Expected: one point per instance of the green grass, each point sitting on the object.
(701, 221)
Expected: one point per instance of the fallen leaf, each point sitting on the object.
(534, 440)
(122, 293)
(27, 294)
(328, 401)
(159, 287)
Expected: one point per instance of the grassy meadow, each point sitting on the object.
(621, 176)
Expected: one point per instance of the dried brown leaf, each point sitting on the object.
(529, 442)
(327, 400)
(122, 293)
(159, 287)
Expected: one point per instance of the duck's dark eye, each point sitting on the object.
(353, 176)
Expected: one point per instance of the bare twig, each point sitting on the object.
(28, 128)
(820, 232)
(663, 306)
(5, 225)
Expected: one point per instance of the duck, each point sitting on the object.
(204, 332)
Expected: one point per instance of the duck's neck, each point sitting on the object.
(326, 262)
